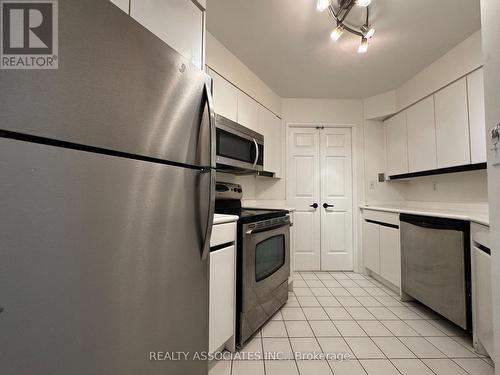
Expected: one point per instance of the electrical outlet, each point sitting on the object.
(434, 186)
(372, 185)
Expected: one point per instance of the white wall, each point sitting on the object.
(465, 187)
(222, 61)
(459, 61)
(380, 106)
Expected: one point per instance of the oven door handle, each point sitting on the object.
(256, 153)
(260, 230)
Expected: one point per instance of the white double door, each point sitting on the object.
(320, 173)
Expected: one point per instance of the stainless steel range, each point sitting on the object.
(263, 260)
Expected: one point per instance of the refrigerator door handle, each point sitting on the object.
(210, 169)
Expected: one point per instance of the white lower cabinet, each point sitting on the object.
(382, 245)
(482, 297)
(390, 255)
(371, 246)
(222, 302)
(222, 306)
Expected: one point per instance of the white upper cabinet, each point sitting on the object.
(475, 88)
(179, 23)
(452, 125)
(122, 4)
(225, 97)
(396, 145)
(421, 136)
(248, 112)
(271, 128)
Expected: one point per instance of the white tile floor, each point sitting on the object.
(338, 313)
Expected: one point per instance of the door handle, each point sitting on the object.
(205, 251)
(256, 153)
(314, 205)
(326, 205)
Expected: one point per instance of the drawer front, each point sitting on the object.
(222, 296)
(480, 234)
(483, 299)
(383, 217)
(223, 233)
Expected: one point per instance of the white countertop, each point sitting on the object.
(468, 214)
(222, 219)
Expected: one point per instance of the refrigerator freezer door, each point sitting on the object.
(100, 263)
(118, 87)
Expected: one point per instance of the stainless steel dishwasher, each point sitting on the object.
(435, 265)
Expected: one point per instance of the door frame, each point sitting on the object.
(356, 198)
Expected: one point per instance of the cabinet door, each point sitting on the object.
(452, 125)
(390, 255)
(270, 127)
(248, 112)
(222, 297)
(421, 136)
(475, 88)
(483, 298)
(371, 246)
(225, 97)
(122, 4)
(396, 144)
(179, 23)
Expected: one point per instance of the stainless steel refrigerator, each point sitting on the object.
(106, 204)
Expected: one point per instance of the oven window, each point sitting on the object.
(269, 257)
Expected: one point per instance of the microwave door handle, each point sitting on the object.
(256, 153)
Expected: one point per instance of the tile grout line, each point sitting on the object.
(423, 317)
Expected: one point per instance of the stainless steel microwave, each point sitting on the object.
(239, 149)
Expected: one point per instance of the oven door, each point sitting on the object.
(265, 273)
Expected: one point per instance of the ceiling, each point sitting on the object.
(287, 43)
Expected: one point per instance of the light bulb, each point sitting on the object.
(370, 33)
(363, 47)
(363, 3)
(337, 33)
(322, 5)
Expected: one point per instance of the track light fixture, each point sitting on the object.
(339, 10)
